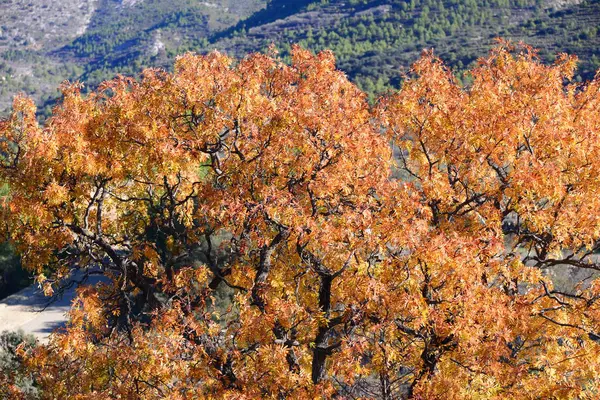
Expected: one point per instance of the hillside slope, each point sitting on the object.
(43, 43)
(374, 39)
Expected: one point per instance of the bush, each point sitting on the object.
(11, 367)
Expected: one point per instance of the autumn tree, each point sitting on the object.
(507, 172)
(255, 245)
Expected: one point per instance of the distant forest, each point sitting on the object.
(375, 41)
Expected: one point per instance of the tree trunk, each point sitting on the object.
(320, 351)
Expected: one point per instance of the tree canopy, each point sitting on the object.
(258, 243)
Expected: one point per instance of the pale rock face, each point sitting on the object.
(213, 5)
(557, 4)
(158, 44)
(130, 3)
(89, 8)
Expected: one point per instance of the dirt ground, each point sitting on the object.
(32, 312)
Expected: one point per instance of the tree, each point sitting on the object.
(269, 186)
(506, 170)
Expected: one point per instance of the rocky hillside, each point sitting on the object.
(43, 43)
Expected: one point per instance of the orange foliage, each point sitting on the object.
(270, 185)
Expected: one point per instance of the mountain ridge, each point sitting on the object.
(372, 39)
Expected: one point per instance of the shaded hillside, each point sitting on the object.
(374, 39)
(149, 33)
